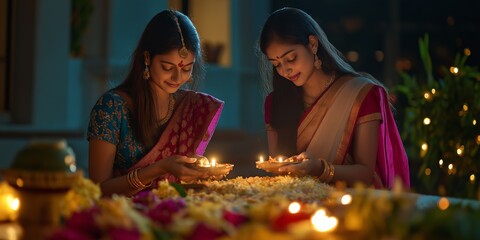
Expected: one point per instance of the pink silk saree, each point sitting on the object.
(327, 130)
(188, 131)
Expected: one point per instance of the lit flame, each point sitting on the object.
(13, 202)
(9, 203)
(346, 199)
(261, 159)
(213, 162)
(294, 207)
(322, 223)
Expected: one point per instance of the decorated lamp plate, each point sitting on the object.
(217, 171)
(273, 164)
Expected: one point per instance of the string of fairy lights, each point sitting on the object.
(451, 163)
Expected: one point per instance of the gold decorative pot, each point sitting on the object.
(42, 173)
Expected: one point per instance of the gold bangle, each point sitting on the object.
(326, 170)
(330, 173)
(134, 180)
(137, 179)
(131, 181)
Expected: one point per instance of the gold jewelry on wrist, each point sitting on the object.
(328, 171)
(134, 180)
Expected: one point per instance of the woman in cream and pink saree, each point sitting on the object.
(335, 121)
(151, 127)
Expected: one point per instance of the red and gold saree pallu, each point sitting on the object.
(189, 130)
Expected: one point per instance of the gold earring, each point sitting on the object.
(146, 72)
(317, 63)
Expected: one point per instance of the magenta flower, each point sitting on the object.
(69, 233)
(123, 234)
(204, 232)
(80, 225)
(163, 212)
(236, 219)
(145, 199)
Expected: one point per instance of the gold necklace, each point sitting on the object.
(325, 87)
(171, 105)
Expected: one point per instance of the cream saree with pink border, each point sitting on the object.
(327, 130)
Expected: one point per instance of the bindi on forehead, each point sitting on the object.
(282, 55)
(180, 64)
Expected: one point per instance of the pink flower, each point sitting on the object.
(286, 218)
(79, 226)
(123, 234)
(145, 199)
(84, 221)
(236, 219)
(68, 233)
(163, 212)
(204, 232)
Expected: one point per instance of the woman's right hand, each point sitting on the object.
(178, 166)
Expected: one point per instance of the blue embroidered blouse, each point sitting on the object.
(110, 120)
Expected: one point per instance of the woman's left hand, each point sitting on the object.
(305, 165)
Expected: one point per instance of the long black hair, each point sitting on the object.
(293, 26)
(160, 36)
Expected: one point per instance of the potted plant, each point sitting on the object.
(442, 126)
(80, 15)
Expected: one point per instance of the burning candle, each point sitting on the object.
(294, 207)
(292, 215)
(346, 199)
(212, 168)
(274, 163)
(323, 223)
(9, 203)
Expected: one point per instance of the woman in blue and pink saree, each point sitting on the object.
(151, 126)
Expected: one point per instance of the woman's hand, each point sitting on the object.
(179, 167)
(306, 165)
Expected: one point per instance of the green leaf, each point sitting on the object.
(161, 235)
(180, 189)
(425, 55)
